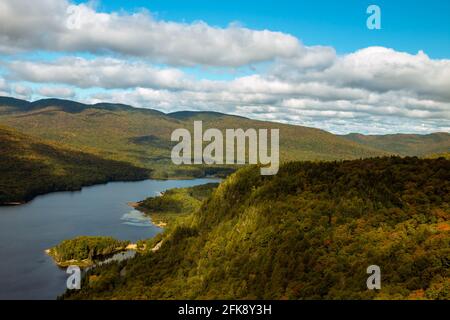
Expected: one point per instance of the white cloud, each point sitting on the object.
(22, 91)
(56, 92)
(2, 83)
(307, 96)
(57, 25)
(315, 58)
(381, 69)
(4, 87)
(101, 72)
(374, 89)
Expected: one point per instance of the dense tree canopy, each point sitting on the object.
(31, 166)
(309, 232)
(86, 248)
(176, 202)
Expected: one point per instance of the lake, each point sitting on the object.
(26, 272)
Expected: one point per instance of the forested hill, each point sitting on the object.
(308, 232)
(406, 144)
(142, 136)
(30, 166)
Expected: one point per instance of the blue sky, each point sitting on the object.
(407, 25)
(312, 63)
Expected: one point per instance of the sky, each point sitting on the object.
(312, 63)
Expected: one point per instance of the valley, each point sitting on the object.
(344, 202)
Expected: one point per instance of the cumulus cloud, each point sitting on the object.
(58, 25)
(309, 58)
(22, 91)
(380, 69)
(139, 60)
(101, 72)
(340, 91)
(56, 92)
(4, 87)
(110, 73)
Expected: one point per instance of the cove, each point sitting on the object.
(26, 272)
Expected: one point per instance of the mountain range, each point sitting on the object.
(308, 232)
(140, 137)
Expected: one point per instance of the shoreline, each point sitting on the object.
(33, 196)
(135, 205)
(37, 194)
(86, 263)
(13, 203)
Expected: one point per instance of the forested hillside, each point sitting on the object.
(174, 203)
(142, 136)
(405, 144)
(31, 166)
(308, 232)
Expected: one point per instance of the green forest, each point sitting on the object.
(308, 232)
(54, 145)
(30, 166)
(84, 250)
(142, 137)
(175, 203)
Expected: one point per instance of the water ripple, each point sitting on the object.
(136, 218)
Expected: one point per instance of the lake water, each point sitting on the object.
(26, 272)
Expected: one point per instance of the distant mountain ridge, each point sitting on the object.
(65, 105)
(405, 144)
(141, 136)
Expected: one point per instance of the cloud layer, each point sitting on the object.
(139, 60)
(57, 25)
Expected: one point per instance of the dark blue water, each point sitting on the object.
(26, 272)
